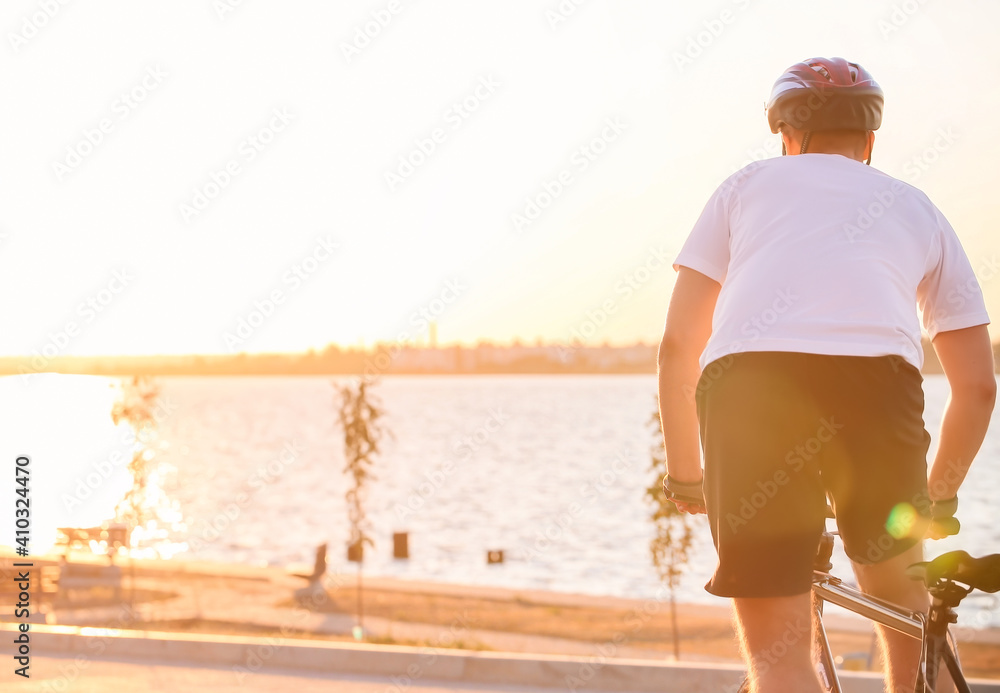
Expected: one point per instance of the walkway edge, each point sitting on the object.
(406, 665)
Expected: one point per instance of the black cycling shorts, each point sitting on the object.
(781, 431)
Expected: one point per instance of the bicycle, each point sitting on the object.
(944, 577)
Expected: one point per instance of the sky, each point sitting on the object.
(220, 175)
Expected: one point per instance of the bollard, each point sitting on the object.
(355, 552)
(400, 545)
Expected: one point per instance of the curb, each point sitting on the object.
(408, 665)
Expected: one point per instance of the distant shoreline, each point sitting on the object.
(384, 359)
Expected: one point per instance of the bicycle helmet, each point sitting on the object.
(825, 94)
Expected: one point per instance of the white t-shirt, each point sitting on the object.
(821, 254)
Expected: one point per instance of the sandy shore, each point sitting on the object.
(184, 596)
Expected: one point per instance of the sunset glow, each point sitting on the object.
(261, 179)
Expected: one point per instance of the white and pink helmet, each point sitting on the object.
(825, 94)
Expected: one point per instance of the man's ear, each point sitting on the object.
(869, 146)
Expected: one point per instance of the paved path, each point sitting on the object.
(51, 674)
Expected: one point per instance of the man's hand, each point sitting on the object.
(690, 508)
(943, 522)
(688, 497)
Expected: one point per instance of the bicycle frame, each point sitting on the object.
(932, 632)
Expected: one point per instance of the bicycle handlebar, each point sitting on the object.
(978, 573)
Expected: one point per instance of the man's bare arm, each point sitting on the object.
(688, 327)
(967, 359)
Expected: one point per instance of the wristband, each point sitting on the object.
(684, 492)
(944, 508)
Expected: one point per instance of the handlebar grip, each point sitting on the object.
(944, 527)
(943, 522)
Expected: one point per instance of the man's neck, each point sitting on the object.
(849, 153)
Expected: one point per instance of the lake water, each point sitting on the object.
(549, 469)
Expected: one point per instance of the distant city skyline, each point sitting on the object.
(387, 358)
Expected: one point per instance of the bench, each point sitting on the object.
(88, 582)
(44, 577)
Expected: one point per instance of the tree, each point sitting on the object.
(359, 415)
(137, 405)
(671, 546)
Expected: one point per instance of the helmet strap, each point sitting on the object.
(805, 142)
(869, 160)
